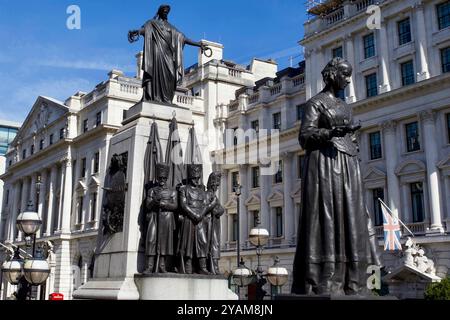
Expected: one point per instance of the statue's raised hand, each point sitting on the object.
(133, 36)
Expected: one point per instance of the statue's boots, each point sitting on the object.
(216, 266)
(150, 263)
(188, 265)
(162, 264)
(202, 266)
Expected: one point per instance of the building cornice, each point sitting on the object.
(90, 134)
(418, 89)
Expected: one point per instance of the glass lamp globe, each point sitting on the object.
(242, 276)
(29, 221)
(36, 270)
(13, 269)
(276, 275)
(258, 237)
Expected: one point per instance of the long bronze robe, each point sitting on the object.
(163, 60)
(332, 250)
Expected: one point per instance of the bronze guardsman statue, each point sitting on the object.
(193, 246)
(214, 221)
(163, 56)
(161, 202)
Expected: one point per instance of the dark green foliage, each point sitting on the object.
(438, 291)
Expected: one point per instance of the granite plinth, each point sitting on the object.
(328, 297)
(172, 286)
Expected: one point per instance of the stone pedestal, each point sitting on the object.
(183, 287)
(118, 256)
(329, 297)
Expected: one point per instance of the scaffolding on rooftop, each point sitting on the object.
(322, 7)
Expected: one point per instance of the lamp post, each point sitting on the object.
(259, 237)
(276, 275)
(238, 233)
(33, 271)
(241, 273)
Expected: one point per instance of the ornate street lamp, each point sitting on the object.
(36, 270)
(29, 221)
(242, 276)
(13, 269)
(277, 276)
(258, 236)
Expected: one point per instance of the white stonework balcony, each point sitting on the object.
(345, 12)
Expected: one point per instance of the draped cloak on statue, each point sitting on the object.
(163, 60)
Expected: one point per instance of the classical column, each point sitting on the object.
(390, 148)
(63, 272)
(266, 186)
(41, 200)
(320, 64)
(25, 196)
(67, 196)
(308, 74)
(51, 200)
(384, 59)
(25, 199)
(350, 55)
(289, 214)
(243, 214)
(431, 153)
(14, 211)
(33, 191)
(423, 73)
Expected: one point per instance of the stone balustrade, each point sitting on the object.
(346, 11)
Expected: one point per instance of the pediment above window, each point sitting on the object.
(254, 199)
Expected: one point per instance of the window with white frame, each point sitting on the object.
(80, 209)
(276, 117)
(94, 206)
(445, 58)
(417, 202)
(255, 177)
(404, 31)
(369, 46)
(443, 13)
(278, 222)
(234, 227)
(377, 193)
(98, 119)
(371, 85)
(412, 136)
(96, 162)
(234, 180)
(375, 145)
(278, 177)
(408, 75)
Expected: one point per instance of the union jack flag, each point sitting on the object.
(392, 232)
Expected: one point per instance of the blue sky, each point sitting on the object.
(40, 56)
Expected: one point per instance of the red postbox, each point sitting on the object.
(56, 296)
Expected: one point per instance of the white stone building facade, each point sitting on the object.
(65, 146)
(399, 92)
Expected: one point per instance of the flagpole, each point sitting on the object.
(390, 212)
